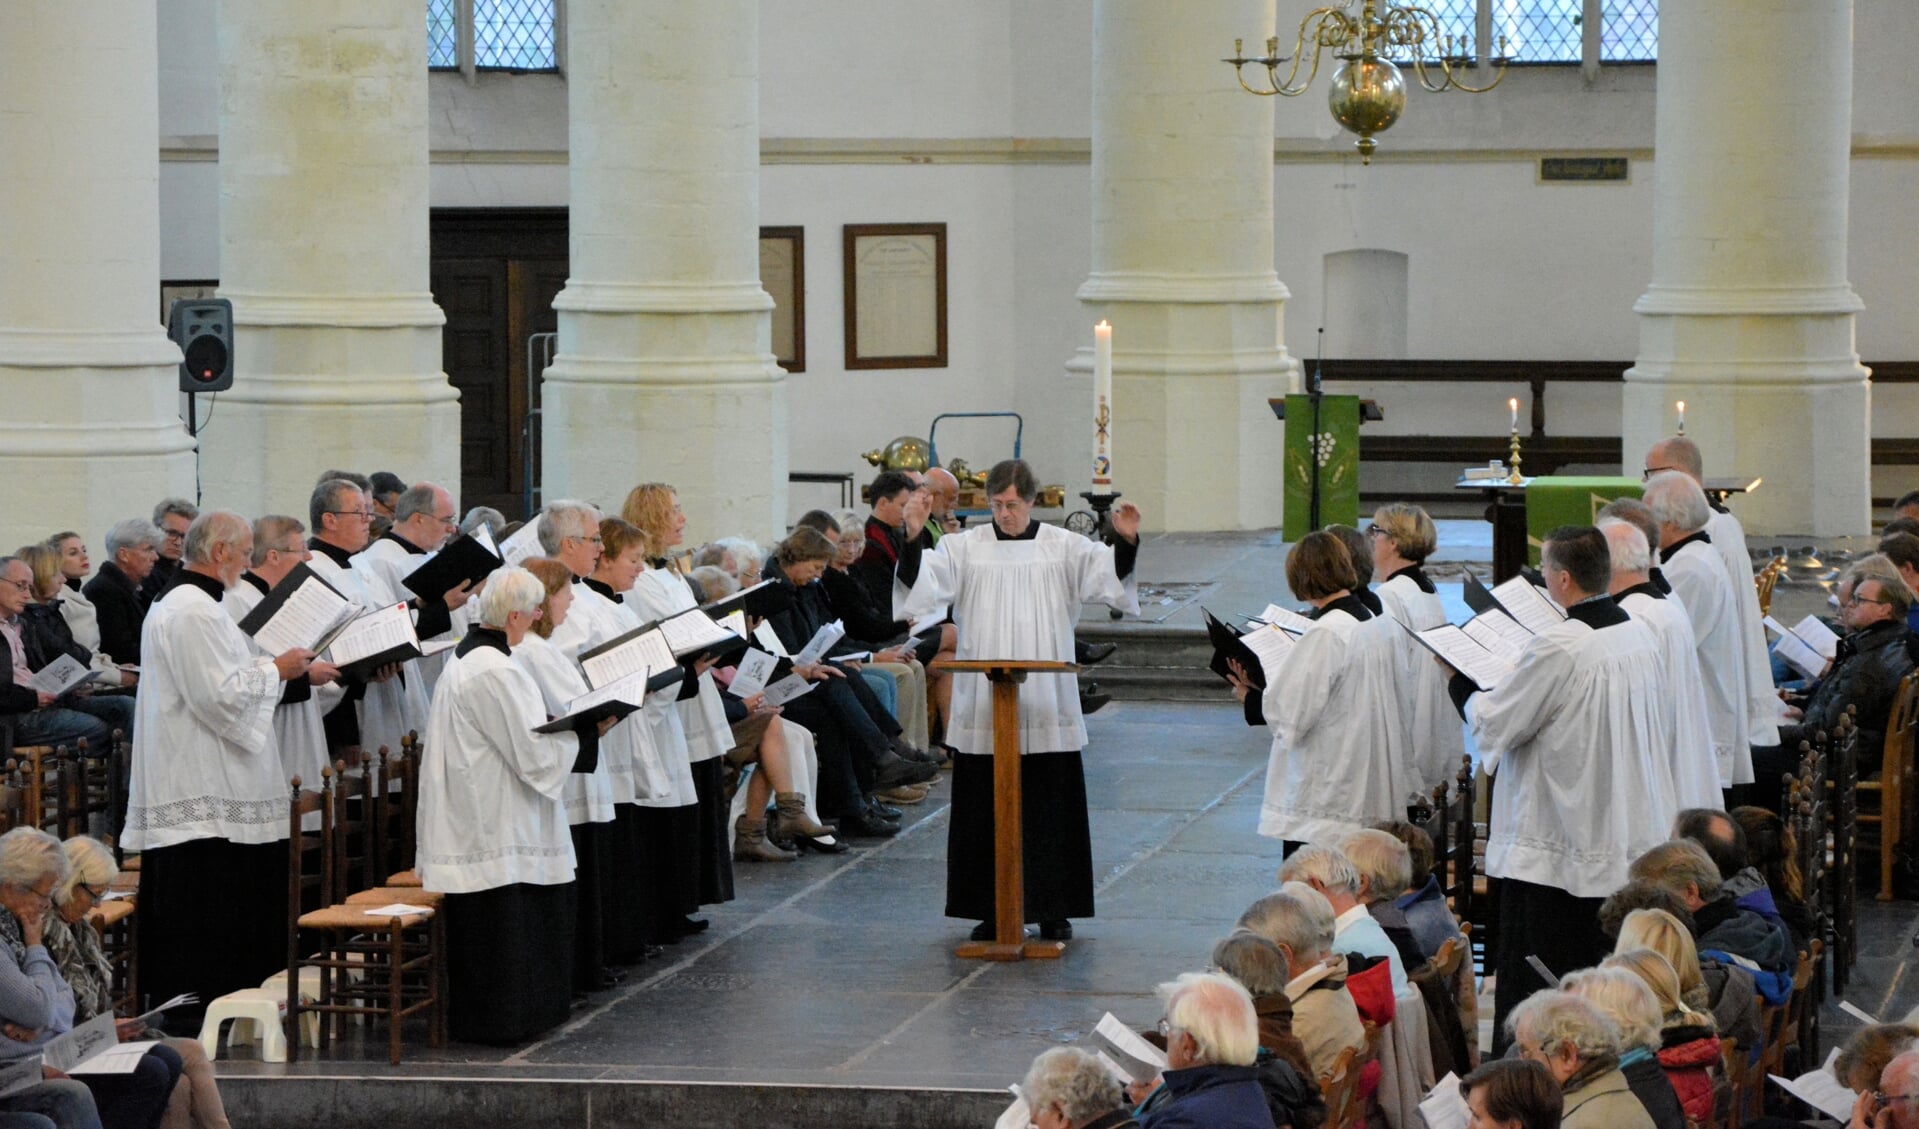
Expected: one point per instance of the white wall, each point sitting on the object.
(977, 115)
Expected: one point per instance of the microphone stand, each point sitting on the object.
(1313, 393)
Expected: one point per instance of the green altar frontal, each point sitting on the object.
(1556, 500)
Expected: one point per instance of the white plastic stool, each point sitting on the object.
(309, 992)
(256, 1014)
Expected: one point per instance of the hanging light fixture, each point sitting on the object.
(1368, 93)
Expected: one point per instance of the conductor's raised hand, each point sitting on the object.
(1126, 521)
(919, 505)
(294, 663)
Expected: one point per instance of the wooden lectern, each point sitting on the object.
(1009, 874)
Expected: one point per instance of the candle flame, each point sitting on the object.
(1513, 403)
(1102, 324)
(1682, 407)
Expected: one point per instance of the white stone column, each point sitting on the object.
(1749, 316)
(91, 431)
(1182, 204)
(665, 370)
(324, 253)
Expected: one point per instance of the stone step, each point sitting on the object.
(1154, 662)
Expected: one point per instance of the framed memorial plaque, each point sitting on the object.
(895, 295)
(783, 275)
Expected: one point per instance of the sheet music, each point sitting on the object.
(381, 629)
(483, 533)
(1531, 607)
(1467, 655)
(1443, 1108)
(786, 689)
(769, 640)
(821, 642)
(1141, 1060)
(1821, 1090)
(1270, 645)
(60, 675)
(631, 690)
(312, 611)
(749, 678)
(1285, 620)
(1815, 634)
(735, 621)
(931, 619)
(1795, 651)
(640, 655)
(1497, 632)
(690, 632)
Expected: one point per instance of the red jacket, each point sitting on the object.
(1692, 1061)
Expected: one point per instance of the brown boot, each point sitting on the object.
(790, 818)
(750, 845)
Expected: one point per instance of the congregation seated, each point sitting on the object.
(1689, 1049)
(1261, 968)
(1329, 871)
(1624, 999)
(1510, 1093)
(1890, 1103)
(1722, 990)
(1212, 1041)
(1579, 1046)
(1865, 1056)
(1683, 868)
(58, 607)
(1385, 870)
(1325, 1019)
(1424, 901)
(171, 518)
(1724, 839)
(34, 716)
(118, 605)
(1068, 1088)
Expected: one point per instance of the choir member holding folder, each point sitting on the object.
(422, 519)
(1341, 758)
(493, 830)
(1402, 537)
(279, 557)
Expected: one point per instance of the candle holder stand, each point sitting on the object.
(1103, 522)
(1515, 478)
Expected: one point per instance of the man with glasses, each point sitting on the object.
(340, 518)
(1873, 657)
(115, 591)
(36, 717)
(1895, 1104)
(423, 520)
(171, 517)
(298, 726)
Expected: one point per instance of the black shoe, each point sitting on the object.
(688, 926)
(1091, 701)
(652, 952)
(1092, 653)
(862, 827)
(877, 810)
(1061, 930)
(894, 771)
(836, 847)
(907, 752)
(610, 978)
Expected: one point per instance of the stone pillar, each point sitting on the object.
(91, 432)
(665, 370)
(324, 253)
(1182, 204)
(1749, 316)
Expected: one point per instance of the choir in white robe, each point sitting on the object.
(392, 709)
(208, 802)
(588, 796)
(1341, 757)
(298, 730)
(1762, 698)
(646, 756)
(1698, 578)
(656, 594)
(1439, 740)
(1695, 771)
(1017, 599)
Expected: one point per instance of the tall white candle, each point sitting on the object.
(1513, 403)
(1682, 417)
(1102, 405)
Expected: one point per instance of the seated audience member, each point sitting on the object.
(1902, 551)
(1689, 1050)
(900, 512)
(1212, 1040)
(36, 717)
(1260, 967)
(493, 831)
(1624, 998)
(119, 607)
(1769, 850)
(1424, 902)
(1873, 656)
(78, 611)
(1329, 871)
(943, 491)
(48, 638)
(1724, 840)
(1385, 870)
(1890, 1104)
(1511, 1093)
(1724, 991)
(1069, 1088)
(75, 947)
(171, 517)
(1325, 1019)
(1580, 1047)
(1683, 867)
(1864, 1057)
(715, 582)
(36, 999)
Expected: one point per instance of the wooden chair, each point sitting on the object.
(409, 977)
(1842, 821)
(1892, 814)
(1747, 1083)
(400, 795)
(118, 924)
(1340, 1088)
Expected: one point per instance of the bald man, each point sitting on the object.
(945, 490)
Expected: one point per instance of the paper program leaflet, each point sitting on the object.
(1821, 1090)
(1141, 1060)
(786, 689)
(752, 673)
(61, 675)
(1443, 1108)
(821, 642)
(94, 1047)
(1807, 646)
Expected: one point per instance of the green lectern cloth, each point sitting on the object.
(1337, 448)
(1556, 500)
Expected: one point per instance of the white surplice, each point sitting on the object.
(1762, 698)
(1574, 737)
(298, 727)
(649, 765)
(490, 808)
(1017, 600)
(1695, 771)
(656, 594)
(588, 796)
(204, 761)
(1340, 759)
(1699, 579)
(1439, 740)
(392, 709)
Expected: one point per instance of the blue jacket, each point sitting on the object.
(1211, 1097)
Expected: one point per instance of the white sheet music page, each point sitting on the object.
(690, 631)
(1467, 655)
(1530, 606)
(1443, 1108)
(1497, 632)
(821, 642)
(786, 689)
(769, 640)
(381, 629)
(309, 613)
(641, 655)
(1271, 645)
(750, 676)
(1285, 619)
(1815, 634)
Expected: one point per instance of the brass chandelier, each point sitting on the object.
(1368, 93)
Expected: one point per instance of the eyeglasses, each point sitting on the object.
(24, 585)
(1888, 1099)
(94, 892)
(1857, 600)
(1166, 1028)
(368, 514)
(449, 522)
(1646, 475)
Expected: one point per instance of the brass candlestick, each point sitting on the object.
(1515, 478)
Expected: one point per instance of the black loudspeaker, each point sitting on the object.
(203, 328)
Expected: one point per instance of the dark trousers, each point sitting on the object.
(1546, 922)
(1054, 837)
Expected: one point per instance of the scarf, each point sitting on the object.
(83, 964)
(1588, 1071)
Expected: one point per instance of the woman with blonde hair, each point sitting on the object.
(1688, 1042)
(1624, 998)
(1401, 537)
(1724, 992)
